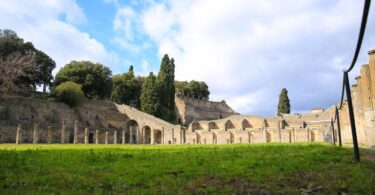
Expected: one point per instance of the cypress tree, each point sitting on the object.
(284, 103)
(166, 89)
(149, 96)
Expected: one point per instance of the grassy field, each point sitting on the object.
(131, 169)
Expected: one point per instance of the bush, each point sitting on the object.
(70, 93)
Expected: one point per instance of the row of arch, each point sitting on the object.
(145, 135)
(227, 125)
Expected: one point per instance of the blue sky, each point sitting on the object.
(246, 51)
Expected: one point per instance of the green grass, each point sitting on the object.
(186, 169)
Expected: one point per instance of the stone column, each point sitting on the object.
(173, 136)
(123, 137)
(75, 140)
(115, 137)
(308, 135)
(162, 135)
(96, 136)
(49, 135)
(137, 135)
(86, 135)
(130, 134)
(152, 136)
(63, 129)
(18, 134)
(264, 131)
(106, 138)
(280, 126)
(35, 133)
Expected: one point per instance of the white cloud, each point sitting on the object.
(248, 50)
(50, 26)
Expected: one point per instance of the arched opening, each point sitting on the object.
(146, 135)
(245, 124)
(158, 135)
(229, 125)
(231, 137)
(268, 137)
(196, 126)
(212, 125)
(132, 132)
(91, 138)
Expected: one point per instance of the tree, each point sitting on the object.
(166, 88)
(41, 73)
(284, 103)
(14, 70)
(46, 65)
(126, 88)
(70, 93)
(150, 102)
(95, 79)
(195, 89)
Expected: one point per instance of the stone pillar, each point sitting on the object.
(106, 138)
(63, 130)
(86, 135)
(264, 131)
(35, 133)
(123, 136)
(308, 135)
(75, 140)
(96, 136)
(130, 134)
(173, 136)
(19, 134)
(49, 135)
(115, 137)
(137, 135)
(152, 136)
(162, 135)
(280, 126)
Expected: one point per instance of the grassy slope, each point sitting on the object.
(260, 168)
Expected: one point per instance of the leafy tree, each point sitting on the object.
(195, 89)
(46, 65)
(41, 73)
(150, 102)
(284, 103)
(95, 79)
(70, 93)
(126, 88)
(166, 88)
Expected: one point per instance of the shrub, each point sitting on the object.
(70, 93)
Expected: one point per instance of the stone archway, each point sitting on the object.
(158, 136)
(146, 135)
(132, 132)
(245, 124)
(228, 125)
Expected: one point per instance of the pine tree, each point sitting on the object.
(284, 103)
(149, 96)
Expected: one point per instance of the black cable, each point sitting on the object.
(342, 93)
(361, 33)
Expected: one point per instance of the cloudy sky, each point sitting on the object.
(246, 51)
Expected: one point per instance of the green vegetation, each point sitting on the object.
(22, 66)
(223, 169)
(70, 93)
(166, 88)
(150, 101)
(126, 88)
(95, 79)
(284, 103)
(194, 89)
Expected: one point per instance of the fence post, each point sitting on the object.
(351, 117)
(338, 126)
